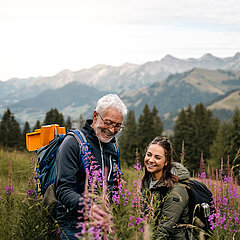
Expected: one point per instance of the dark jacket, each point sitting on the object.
(174, 208)
(70, 172)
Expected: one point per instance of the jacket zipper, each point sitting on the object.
(110, 163)
(103, 167)
(101, 151)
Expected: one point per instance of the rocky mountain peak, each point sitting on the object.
(169, 58)
(237, 55)
(208, 57)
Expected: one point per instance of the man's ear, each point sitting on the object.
(94, 117)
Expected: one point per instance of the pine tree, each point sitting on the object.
(184, 132)
(37, 125)
(68, 123)
(145, 131)
(235, 135)
(81, 121)
(179, 132)
(10, 132)
(128, 139)
(197, 128)
(54, 117)
(157, 123)
(26, 130)
(206, 127)
(191, 143)
(221, 144)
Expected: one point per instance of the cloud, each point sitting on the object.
(43, 37)
(125, 11)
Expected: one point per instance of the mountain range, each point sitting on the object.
(170, 84)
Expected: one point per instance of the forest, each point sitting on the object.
(196, 131)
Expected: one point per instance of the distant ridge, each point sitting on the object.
(170, 84)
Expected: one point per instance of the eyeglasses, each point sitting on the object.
(117, 126)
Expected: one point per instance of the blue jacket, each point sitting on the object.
(70, 175)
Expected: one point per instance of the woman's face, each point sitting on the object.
(155, 160)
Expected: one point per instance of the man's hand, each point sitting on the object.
(100, 218)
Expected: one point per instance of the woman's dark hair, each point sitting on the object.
(167, 176)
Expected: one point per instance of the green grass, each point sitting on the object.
(22, 216)
(22, 164)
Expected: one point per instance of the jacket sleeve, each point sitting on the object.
(172, 209)
(67, 167)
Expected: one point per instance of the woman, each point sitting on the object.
(162, 178)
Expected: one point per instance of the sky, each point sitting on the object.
(44, 37)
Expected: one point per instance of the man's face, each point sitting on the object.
(105, 131)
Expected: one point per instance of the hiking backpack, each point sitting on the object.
(46, 170)
(201, 204)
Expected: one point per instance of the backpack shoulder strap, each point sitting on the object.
(115, 145)
(85, 151)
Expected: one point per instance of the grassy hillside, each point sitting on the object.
(229, 102)
(181, 89)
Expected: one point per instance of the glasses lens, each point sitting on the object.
(117, 126)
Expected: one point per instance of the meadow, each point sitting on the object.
(22, 215)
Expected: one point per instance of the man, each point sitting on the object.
(100, 132)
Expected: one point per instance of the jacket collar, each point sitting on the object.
(177, 169)
(157, 185)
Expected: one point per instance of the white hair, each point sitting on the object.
(111, 100)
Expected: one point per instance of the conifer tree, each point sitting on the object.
(68, 123)
(145, 130)
(234, 135)
(179, 129)
(10, 132)
(81, 121)
(54, 117)
(184, 132)
(206, 127)
(37, 125)
(221, 145)
(128, 139)
(157, 123)
(26, 130)
(197, 128)
(191, 141)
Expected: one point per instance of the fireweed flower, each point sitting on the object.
(226, 195)
(93, 191)
(134, 221)
(9, 190)
(29, 192)
(138, 167)
(122, 196)
(202, 175)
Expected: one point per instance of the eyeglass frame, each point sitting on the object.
(111, 123)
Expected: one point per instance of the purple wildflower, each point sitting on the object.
(29, 192)
(9, 190)
(202, 175)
